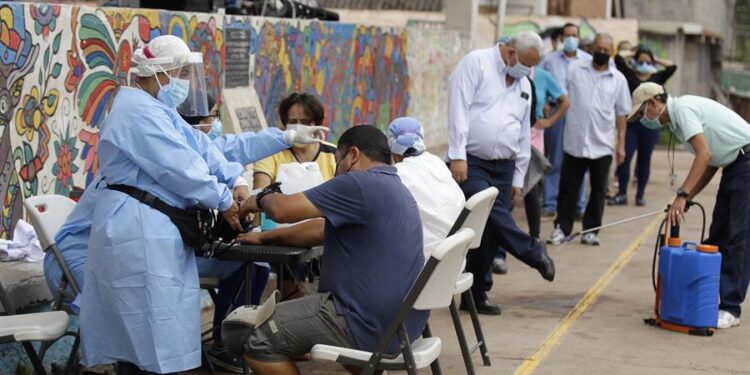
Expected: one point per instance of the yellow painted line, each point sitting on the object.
(532, 362)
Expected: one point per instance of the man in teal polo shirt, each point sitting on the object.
(719, 138)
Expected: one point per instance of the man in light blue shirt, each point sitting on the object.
(557, 63)
(489, 112)
(719, 138)
(594, 130)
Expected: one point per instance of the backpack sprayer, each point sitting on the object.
(687, 283)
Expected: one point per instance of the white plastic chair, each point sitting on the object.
(48, 213)
(24, 328)
(474, 216)
(433, 289)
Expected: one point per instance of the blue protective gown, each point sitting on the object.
(73, 237)
(142, 297)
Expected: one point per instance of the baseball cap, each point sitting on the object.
(644, 92)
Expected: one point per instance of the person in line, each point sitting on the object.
(488, 145)
(594, 130)
(719, 138)
(73, 236)
(638, 137)
(370, 226)
(439, 198)
(546, 90)
(557, 63)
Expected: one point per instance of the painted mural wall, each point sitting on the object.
(61, 66)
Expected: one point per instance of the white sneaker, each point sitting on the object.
(557, 237)
(727, 320)
(590, 239)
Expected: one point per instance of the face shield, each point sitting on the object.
(185, 73)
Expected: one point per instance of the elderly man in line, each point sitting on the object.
(488, 145)
(594, 130)
(439, 198)
(370, 226)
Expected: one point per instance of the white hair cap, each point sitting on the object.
(162, 54)
(526, 40)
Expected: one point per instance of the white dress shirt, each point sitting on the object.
(438, 196)
(487, 118)
(557, 63)
(596, 99)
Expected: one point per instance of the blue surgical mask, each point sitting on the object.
(646, 68)
(649, 123)
(570, 43)
(215, 131)
(519, 70)
(173, 93)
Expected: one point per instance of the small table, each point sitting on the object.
(277, 255)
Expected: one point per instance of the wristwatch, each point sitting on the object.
(270, 189)
(683, 193)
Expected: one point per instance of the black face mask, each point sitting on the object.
(601, 58)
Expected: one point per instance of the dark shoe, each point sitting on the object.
(640, 202)
(499, 267)
(579, 216)
(618, 200)
(220, 357)
(485, 307)
(547, 268)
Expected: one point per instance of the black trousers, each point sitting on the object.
(571, 175)
(533, 204)
(730, 231)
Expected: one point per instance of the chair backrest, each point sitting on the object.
(48, 213)
(475, 214)
(448, 260)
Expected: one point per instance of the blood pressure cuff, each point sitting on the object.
(240, 324)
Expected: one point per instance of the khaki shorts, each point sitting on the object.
(296, 326)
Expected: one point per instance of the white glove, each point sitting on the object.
(303, 134)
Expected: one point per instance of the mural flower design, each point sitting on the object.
(90, 153)
(34, 112)
(45, 18)
(63, 169)
(75, 71)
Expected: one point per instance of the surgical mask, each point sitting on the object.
(652, 124)
(646, 68)
(173, 93)
(215, 131)
(519, 70)
(601, 58)
(570, 43)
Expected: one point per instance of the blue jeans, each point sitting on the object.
(553, 148)
(730, 231)
(501, 230)
(643, 140)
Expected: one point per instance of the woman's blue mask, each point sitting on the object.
(174, 93)
(646, 68)
(215, 131)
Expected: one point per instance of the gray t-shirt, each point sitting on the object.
(373, 251)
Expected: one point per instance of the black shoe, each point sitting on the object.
(547, 268)
(485, 307)
(220, 357)
(640, 202)
(618, 200)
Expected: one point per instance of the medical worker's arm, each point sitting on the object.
(218, 165)
(248, 147)
(149, 138)
(306, 234)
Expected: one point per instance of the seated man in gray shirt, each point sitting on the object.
(372, 235)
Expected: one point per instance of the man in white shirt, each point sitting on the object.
(594, 130)
(438, 196)
(557, 63)
(488, 145)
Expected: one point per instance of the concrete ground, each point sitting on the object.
(547, 328)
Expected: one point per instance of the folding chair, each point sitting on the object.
(473, 216)
(48, 214)
(25, 328)
(433, 289)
